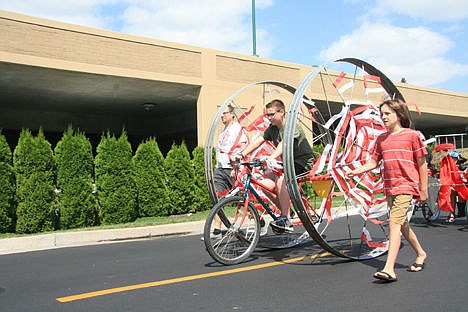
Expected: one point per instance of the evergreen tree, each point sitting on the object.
(179, 172)
(307, 187)
(114, 180)
(74, 158)
(35, 170)
(318, 149)
(150, 179)
(202, 199)
(7, 187)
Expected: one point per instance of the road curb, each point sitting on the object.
(93, 237)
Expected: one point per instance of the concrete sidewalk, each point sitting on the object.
(93, 237)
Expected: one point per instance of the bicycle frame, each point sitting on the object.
(247, 188)
(244, 212)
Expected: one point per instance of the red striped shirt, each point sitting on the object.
(400, 153)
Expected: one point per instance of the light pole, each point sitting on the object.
(254, 31)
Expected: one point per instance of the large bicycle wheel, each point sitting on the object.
(430, 209)
(351, 217)
(235, 238)
(249, 104)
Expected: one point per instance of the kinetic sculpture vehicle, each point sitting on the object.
(336, 106)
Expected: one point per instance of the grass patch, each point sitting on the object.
(141, 222)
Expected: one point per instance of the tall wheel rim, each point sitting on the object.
(351, 226)
(267, 90)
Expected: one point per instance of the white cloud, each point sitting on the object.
(83, 12)
(432, 10)
(223, 25)
(414, 53)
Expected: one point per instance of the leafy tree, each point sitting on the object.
(7, 187)
(202, 199)
(74, 158)
(114, 180)
(179, 172)
(34, 166)
(150, 179)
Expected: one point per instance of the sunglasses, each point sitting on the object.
(271, 115)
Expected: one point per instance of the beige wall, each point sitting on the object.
(39, 42)
(36, 41)
(436, 101)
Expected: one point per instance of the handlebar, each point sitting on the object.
(250, 164)
(271, 164)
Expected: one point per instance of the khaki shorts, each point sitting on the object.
(399, 205)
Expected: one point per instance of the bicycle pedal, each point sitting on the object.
(277, 231)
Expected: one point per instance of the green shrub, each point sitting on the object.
(150, 179)
(74, 158)
(7, 187)
(318, 149)
(114, 180)
(35, 169)
(179, 172)
(202, 199)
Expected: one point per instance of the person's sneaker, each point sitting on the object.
(281, 225)
(216, 234)
(263, 227)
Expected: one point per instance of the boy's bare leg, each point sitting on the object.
(412, 239)
(393, 248)
(283, 196)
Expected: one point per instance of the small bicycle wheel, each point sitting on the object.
(231, 238)
(430, 210)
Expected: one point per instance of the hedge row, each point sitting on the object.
(43, 189)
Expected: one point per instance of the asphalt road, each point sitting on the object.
(177, 274)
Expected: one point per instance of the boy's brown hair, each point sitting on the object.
(402, 111)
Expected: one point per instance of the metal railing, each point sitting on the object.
(457, 139)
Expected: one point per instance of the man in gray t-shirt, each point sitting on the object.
(303, 159)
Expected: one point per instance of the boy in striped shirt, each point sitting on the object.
(405, 176)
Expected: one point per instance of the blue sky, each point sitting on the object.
(425, 41)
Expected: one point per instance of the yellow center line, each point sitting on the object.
(186, 278)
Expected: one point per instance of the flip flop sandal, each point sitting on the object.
(385, 277)
(416, 267)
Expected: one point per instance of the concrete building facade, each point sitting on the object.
(54, 74)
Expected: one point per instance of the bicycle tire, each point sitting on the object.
(430, 215)
(239, 234)
(466, 214)
(431, 210)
